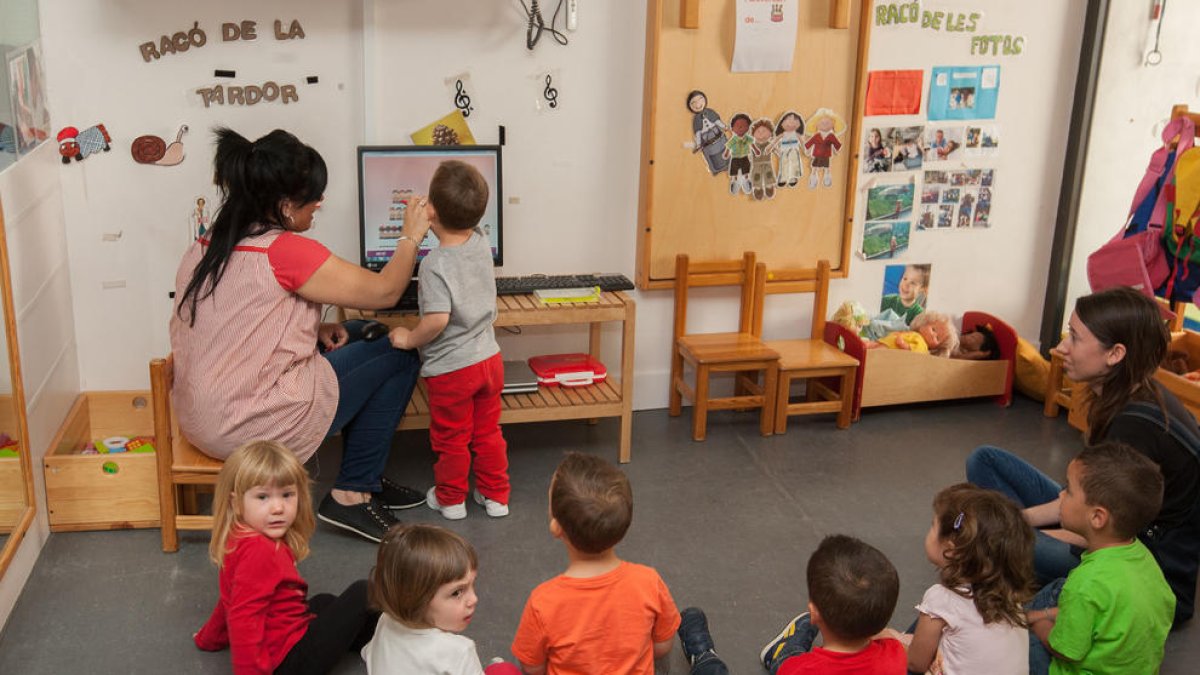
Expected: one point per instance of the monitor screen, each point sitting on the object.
(388, 176)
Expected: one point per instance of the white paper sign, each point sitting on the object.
(766, 35)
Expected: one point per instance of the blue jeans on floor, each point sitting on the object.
(1039, 656)
(799, 643)
(995, 469)
(375, 382)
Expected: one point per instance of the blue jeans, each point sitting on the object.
(995, 469)
(1039, 656)
(375, 382)
(799, 643)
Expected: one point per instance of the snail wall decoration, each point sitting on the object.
(150, 149)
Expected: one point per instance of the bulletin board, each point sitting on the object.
(683, 208)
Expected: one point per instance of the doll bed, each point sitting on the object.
(893, 376)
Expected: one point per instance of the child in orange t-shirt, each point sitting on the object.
(603, 615)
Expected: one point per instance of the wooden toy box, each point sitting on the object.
(104, 491)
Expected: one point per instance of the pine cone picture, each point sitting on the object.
(444, 135)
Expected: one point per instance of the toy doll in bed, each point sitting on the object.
(930, 333)
(977, 345)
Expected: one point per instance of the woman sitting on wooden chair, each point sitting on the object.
(246, 329)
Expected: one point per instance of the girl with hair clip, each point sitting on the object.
(972, 620)
(424, 581)
(262, 521)
(247, 325)
(1115, 341)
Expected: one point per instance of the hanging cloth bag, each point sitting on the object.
(1179, 237)
(1135, 257)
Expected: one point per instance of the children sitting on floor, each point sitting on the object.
(972, 620)
(602, 615)
(424, 582)
(852, 590)
(1114, 611)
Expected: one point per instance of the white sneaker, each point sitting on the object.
(494, 508)
(452, 512)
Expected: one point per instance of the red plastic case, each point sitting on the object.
(567, 370)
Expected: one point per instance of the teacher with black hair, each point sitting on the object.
(1115, 341)
(247, 323)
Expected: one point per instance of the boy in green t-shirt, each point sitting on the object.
(1115, 609)
(912, 290)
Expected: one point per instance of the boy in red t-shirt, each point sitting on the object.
(602, 615)
(852, 589)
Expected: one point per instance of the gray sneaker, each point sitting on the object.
(368, 520)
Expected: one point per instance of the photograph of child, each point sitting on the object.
(945, 216)
(930, 195)
(943, 143)
(928, 217)
(907, 151)
(890, 202)
(905, 290)
(877, 152)
(950, 195)
(962, 98)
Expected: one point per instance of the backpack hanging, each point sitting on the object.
(1134, 256)
(1179, 234)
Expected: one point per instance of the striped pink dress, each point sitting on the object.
(249, 368)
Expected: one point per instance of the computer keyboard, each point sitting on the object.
(533, 282)
(528, 284)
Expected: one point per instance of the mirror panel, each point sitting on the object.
(18, 32)
(16, 484)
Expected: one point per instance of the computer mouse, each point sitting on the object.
(373, 330)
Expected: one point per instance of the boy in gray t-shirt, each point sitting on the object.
(461, 365)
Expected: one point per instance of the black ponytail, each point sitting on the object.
(254, 180)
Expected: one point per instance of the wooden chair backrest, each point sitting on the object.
(741, 273)
(815, 281)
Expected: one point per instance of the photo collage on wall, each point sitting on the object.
(945, 158)
(956, 199)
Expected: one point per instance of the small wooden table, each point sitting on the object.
(610, 398)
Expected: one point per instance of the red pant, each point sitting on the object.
(464, 412)
(501, 669)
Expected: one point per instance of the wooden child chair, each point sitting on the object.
(742, 353)
(182, 468)
(810, 359)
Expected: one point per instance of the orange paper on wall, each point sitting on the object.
(893, 92)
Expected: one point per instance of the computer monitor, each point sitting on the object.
(388, 176)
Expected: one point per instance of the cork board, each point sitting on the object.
(682, 207)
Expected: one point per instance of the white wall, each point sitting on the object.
(1133, 102)
(41, 285)
(97, 75)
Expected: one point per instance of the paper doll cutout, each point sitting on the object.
(762, 174)
(789, 135)
(150, 149)
(199, 219)
(821, 146)
(738, 150)
(708, 132)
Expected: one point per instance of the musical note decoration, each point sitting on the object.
(462, 100)
(550, 93)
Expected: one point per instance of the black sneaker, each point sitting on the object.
(368, 520)
(694, 637)
(398, 497)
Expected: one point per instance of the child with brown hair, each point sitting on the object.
(910, 293)
(591, 508)
(460, 359)
(852, 590)
(262, 521)
(1113, 612)
(973, 616)
(424, 581)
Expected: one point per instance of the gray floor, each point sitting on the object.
(729, 523)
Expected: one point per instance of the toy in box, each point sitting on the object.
(568, 370)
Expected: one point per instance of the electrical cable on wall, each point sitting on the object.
(536, 24)
(1153, 56)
